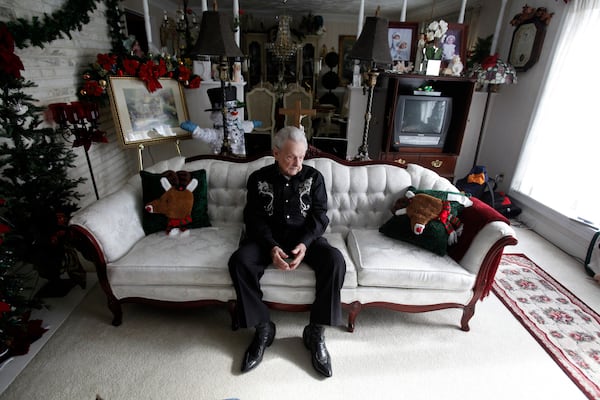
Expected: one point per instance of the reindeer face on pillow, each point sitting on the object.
(420, 208)
(176, 202)
(427, 218)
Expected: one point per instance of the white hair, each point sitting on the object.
(289, 133)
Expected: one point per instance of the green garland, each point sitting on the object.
(73, 15)
(114, 19)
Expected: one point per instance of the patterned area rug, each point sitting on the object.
(563, 325)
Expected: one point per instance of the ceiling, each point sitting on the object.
(389, 8)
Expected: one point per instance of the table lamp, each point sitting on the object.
(216, 39)
(490, 74)
(371, 46)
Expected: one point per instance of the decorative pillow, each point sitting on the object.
(434, 238)
(152, 189)
(438, 230)
(458, 200)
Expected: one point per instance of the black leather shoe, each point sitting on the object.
(263, 338)
(314, 340)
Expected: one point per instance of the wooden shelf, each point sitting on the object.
(442, 160)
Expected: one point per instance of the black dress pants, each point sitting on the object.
(248, 263)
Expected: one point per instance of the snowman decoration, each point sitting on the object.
(234, 126)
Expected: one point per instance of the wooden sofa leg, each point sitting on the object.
(231, 308)
(115, 307)
(468, 312)
(355, 308)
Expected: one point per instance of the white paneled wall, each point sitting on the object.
(56, 70)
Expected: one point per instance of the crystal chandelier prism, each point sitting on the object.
(283, 47)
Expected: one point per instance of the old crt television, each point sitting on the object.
(421, 121)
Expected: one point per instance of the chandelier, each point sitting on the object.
(178, 36)
(283, 47)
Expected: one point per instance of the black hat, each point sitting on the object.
(215, 96)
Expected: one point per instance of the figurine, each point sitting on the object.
(235, 127)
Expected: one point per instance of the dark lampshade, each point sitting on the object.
(372, 44)
(216, 37)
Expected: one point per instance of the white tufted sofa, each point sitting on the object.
(192, 271)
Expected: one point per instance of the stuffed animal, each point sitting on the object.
(176, 202)
(422, 208)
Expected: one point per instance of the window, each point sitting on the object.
(558, 166)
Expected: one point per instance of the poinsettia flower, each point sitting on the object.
(184, 73)
(131, 66)
(107, 61)
(162, 68)
(489, 61)
(195, 83)
(7, 42)
(92, 88)
(4, 228)
(4, 307)
(148, 69)
(10, 63)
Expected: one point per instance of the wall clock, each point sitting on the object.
(528, 37)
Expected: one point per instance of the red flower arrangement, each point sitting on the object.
(148, 70)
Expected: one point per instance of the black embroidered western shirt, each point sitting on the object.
(284, 211)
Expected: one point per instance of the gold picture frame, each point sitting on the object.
(144, 117)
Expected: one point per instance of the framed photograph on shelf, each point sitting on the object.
(346, 64)
(454, 43)
(143, 117)
(402, 41)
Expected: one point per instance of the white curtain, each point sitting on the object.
(559, 164)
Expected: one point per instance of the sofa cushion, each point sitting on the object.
(385, 262)
(199, 258)
(303, 276)
(435, 235)
(152, 190)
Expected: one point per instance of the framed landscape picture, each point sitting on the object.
(143, 117)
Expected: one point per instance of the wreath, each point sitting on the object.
(73, 15)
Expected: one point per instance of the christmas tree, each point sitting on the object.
(17, 331)
(38, 194)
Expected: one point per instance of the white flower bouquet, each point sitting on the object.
(436, 30)
(434, 35)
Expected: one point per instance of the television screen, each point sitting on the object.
(421, 121)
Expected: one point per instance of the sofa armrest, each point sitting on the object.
(484, 254)
(113, 222)
(490, 235)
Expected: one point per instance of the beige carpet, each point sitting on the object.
(161, 354)
(166, 354)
